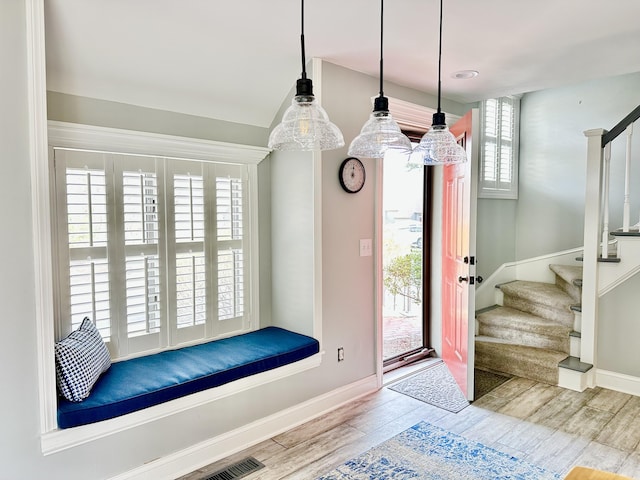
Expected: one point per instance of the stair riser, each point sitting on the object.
(571, 290)
(526, 338)
(495, 357)
(562, 316)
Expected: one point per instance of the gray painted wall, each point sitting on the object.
(619, 329)
(348, 281)
(102, 113)
(19, 438)
(550, 208)
(548, 215)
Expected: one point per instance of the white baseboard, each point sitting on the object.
(618, 382)
(214, 449)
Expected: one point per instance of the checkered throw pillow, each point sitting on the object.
(80, 359)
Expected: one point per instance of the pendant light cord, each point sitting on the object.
(304, 61)
(381, 103)
(440, 57)
(381, 43)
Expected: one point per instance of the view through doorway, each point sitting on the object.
(403, 321)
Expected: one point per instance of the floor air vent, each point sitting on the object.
(237, 470)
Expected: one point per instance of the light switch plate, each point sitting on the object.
(366, 249)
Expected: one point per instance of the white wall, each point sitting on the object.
(20, 423)
(91, 111)
(550, 211)
(619, 329)
(347, 283)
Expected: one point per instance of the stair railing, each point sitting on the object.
(596, 220)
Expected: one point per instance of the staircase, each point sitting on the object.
(529, 333)
(547, 329)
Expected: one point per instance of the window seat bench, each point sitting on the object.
(142, 382)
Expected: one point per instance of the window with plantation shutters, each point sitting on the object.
(152, 249)
(498, 176)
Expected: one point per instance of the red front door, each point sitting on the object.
(458, 234)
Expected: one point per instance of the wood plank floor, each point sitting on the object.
(545, 425)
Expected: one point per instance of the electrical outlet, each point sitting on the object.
(340, 354)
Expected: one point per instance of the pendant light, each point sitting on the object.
(438, 146)
(381, 132)
(305, 125)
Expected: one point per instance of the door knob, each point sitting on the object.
(463, 279)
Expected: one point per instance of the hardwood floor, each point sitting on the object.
(545, 425)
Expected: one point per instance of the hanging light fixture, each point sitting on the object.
(305, 125)
(381, 132)
(438, 146)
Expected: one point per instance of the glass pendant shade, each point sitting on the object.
(379, 134)
(305, 126)
(439, 147)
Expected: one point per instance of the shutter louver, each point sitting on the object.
(142, 262)
(87, 236)
(230, 284)
(229, 219)
(190, 266)
(191, 289)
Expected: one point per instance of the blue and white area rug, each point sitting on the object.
(425, 451)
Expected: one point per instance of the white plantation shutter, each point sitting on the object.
(85, 226)
(229, 204)
(499, 148)
(190, 266)
(141, 197)
(153, 250)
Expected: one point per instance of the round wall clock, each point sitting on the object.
(351, 175)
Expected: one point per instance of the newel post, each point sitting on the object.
(592, 211)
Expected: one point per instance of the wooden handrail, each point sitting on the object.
(621, 126)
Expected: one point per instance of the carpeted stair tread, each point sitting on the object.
(524, 328)
(538, 364)
(543, 299)
(569, 279)
(547, 294)
(519, 320)
(568, 273)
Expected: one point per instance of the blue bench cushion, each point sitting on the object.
(142, 382)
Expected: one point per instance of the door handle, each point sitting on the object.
(463, 279)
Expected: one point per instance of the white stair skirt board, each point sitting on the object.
(574, 380)
(222, 446)
(534, 269)
(610, 275)
(574, 346)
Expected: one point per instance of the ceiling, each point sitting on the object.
(237, 60)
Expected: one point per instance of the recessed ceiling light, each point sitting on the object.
(465, 74)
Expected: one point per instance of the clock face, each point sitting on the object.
(352, 175)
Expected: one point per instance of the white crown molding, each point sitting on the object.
(415, 117)
(71, 135)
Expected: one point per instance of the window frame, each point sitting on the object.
(488, 189)
(110, 169)
(69, 135)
